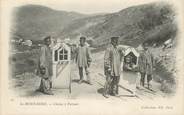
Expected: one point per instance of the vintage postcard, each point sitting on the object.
(77, 57)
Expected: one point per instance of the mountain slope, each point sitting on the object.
(34, 21)
(133, 25)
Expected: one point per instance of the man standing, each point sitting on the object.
(146, 63)
(45, 67)
(112, 67)
(83, 59)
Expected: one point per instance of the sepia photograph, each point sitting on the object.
(116, 52)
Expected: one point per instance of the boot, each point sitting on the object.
(80, 81)
(89, 82)
(48, 92)
(113, 92)
(117, 90)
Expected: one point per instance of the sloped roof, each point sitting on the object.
(133, 50)
(61, 46)
(127, 49)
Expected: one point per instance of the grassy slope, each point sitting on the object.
(34, 21)
(133, 25)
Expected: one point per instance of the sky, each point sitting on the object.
(86, 6)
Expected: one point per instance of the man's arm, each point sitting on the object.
(76, 54)
(153, 61)
(140, 61)
(107, 63)
(121, 49)
(122, 54)
(89, 55)
(42, 57)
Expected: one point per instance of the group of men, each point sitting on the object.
(113, 58)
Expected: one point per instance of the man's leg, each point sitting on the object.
(138, 77)
(50, 83)
(117, 83)
(142, 78)
(41, 86)
(107, 86)
(113, 86)
(81, 74)
(88, 75)
(46, 86)
(149, 78)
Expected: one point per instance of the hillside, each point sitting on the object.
(134, 25)
(34, 21)
(153, 22)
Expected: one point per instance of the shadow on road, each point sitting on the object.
(33, 93)
(75, 80)
(125, 89)
(100, 90)
(126, 96)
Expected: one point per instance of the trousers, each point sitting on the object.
(142, 80)
(111, 84)
(81, 74)
(45, 85)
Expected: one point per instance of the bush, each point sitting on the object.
(154, 17)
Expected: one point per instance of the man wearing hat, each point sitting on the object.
(45, 67)
(112, 67)
(146, 65)
(83, 59)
